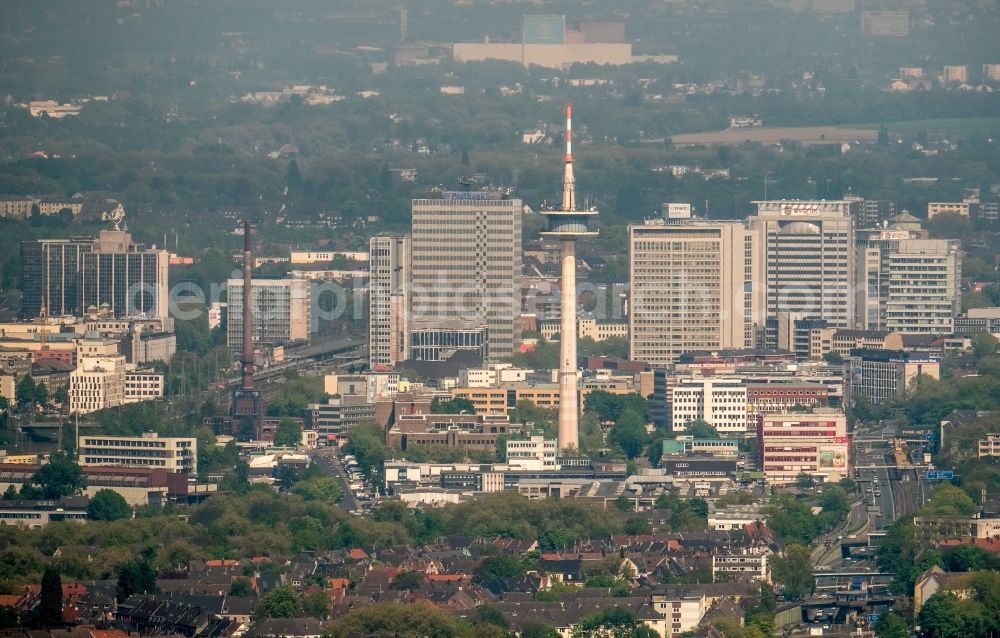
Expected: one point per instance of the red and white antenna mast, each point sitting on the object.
(569, 183)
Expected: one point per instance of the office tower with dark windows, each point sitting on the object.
(466, 275)
(108, 276)
(388, 300)
(122, 279)
(805, 253)
(50, 276)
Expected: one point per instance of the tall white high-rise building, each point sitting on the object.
(690, 289)
(912, 286)
(805, 254)
(466, 281)
(280, 309)
(97, 383)
(388, 300)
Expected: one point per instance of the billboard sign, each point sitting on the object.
(677, 211)
(833, 457)
(543, 29)
(945, 475)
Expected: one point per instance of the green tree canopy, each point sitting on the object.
(288, 433)
(393, 619)
(793, 571)
(108, 505)
(280, 602)
(458, 405)
(58, 478)
(501, 566)
(701, 429)
(325, 489)
(241, 587)
(136, 577)
(50, 603)
(611, 407)
(629, 433)
(890, 625)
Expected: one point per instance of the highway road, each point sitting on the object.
(327, 459)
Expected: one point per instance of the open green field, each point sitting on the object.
(960, 127)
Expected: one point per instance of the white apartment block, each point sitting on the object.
(734, 518)
(586, 329)
(924, 288)
(491, 376)
(891, 24)
(174, 454)
(990, 446)
(958, 208)
(319, 257)
(689, 289)
(280, 309)
(143, 385)
(955, 73)
(388, 300)
(911, 286)
(742, 564)
(97, 383)
(722, 403)
(805, 253)
(991, 72)
(681, 612)
(536, 453)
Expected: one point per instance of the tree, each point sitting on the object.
(945, 616)
(701, 429)
(50, 601)
(489, 614)
(293, 177)
(240, 587)
(833, 358)
(136, 577)
(288, 433)
(498, 567)
(394, 619)
(458, 405)
(58, 478)
(699, 506)
(890, 625)
(984, 344)
(316, 604)
(611, 407)
(280, 602)
(25, 393)
(108, 505)
(805, 481)
(624, 504)
(629, 434)
(538, 630)
(407, 580)
(794, 571)
(616, 622)
(637, 525)
(325, 489)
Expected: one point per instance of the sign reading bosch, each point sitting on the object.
(543, 29)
